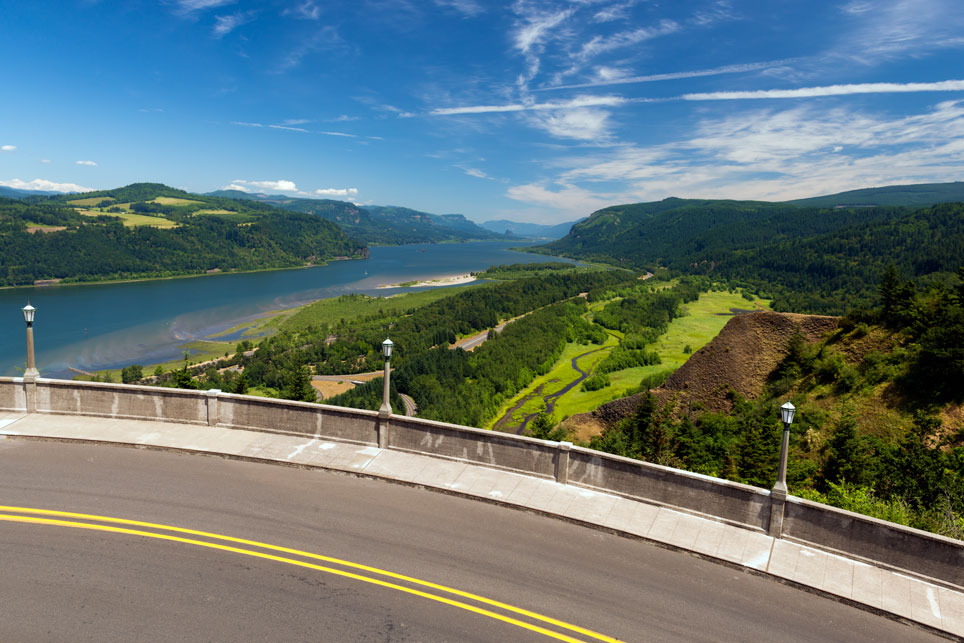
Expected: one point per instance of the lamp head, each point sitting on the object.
(786, 412)
(28, 313)
(387, 348)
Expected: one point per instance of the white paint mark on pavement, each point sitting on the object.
(9, 432)
(326, 446)
(369, 451)
(932, 599)
(300, 448)
(8, 422)
(760, 561)
(495, 494)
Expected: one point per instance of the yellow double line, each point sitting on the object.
(60, 519)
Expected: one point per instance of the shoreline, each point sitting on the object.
(190, 275)
(451, 280)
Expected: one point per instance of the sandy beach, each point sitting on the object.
(440, 281)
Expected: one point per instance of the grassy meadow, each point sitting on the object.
(703, 319)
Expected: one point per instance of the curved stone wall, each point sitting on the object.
(928, 555)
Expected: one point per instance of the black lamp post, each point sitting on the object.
(28, 315)
(786, 414)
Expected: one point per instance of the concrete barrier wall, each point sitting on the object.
(12, 396)
(810, 523)
(731, 501)
(300, 418)
(877, 540)
(119, 401)
(501, 450)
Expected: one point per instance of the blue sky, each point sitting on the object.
(533, 111)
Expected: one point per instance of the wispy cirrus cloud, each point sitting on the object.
(223, 25)
(765, 154)
(603, 44)
(308, 10)
(573, 103)
(44, 185)
(190, 6)
(677, 75)
(324, 39)
(832, 90)
(468, 8)
(289, 128)
(887, 29)
(8, 148)
(88, 163)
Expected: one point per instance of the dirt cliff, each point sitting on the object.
(740, 358)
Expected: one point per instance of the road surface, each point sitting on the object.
(316, 549)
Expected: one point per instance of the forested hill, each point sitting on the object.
(388, 225)
(920, 195)
(151, 230)
(808, 259)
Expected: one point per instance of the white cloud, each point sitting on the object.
(188, 6)
(90, 163)
(832, 90)
(771, 155)
(477, 173)
(338, 134)
(280, 185)
(573, 103)
(45, 160)
(44, 185)
(581, 124)
(535, 28)
(572, 200)
(8, 148)
(308, 10)
(337, 191)
(235, 186)
(290, 129)
(886, 30)
(468, 8)
(603, 44)
(223, 25)
(622, 79)
(244, 124)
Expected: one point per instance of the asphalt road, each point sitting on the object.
(74, 578)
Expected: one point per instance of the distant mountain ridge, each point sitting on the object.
(530, 230)
(378, 224)
(919, 194)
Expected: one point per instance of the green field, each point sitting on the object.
(168, 200)
(348, 307)
(94, 200)
(131, 220)
(702, 321)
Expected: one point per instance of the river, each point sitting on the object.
(115, 324)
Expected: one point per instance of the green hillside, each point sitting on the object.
(807, 259)
(151, 230)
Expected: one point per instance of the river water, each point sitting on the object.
(109, 325)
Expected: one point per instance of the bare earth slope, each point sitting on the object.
(740, 358)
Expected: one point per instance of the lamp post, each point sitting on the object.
(386, 409)
(28, 315)
(786, 414)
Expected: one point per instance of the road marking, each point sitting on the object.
(373, 570)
